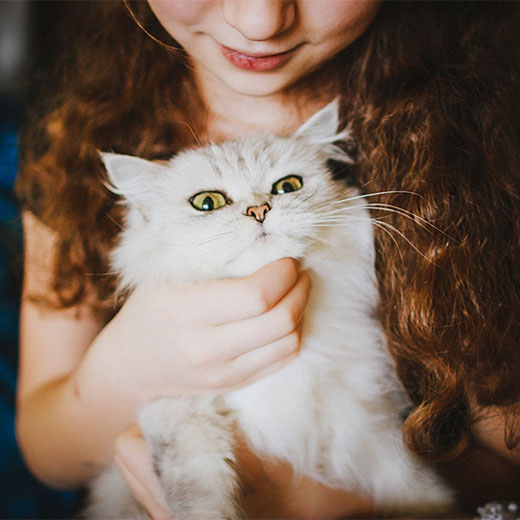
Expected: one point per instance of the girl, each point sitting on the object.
(430, 92)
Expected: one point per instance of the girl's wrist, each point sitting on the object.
(101, 374)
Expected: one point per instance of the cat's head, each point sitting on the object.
(229, 208)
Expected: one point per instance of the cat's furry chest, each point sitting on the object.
(342, 361)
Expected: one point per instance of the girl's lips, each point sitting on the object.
(257, 63)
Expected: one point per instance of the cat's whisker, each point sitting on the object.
(335, 222)
(389, 228)
(380, 225)
(327, 203)
(390, 209)
(423, 223)
(213, 251)
(210, 239)
(384, 226)
(368, 220)
(303, 201)
(405, 213)
(375, 194)
(338, 220)
(377, 205)
(323, 204)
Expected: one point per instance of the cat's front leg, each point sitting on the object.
(191, 443)
(110, 498)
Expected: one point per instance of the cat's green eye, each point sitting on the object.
(287, 185)
(208, 200)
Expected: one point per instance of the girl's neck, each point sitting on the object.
(232, 115)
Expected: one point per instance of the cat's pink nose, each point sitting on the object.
(258, 212)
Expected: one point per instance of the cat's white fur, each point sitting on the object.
(335, 412)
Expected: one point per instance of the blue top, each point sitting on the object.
(21, 495)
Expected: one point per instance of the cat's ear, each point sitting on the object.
(130, 177)
(322, 127)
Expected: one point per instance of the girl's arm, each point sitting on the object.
(270, 489)
(490, 428)
(51, 422)
(489, 471)
(80, 385)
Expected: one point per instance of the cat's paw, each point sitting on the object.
(192, 449)
(110, 497)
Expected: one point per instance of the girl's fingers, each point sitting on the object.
(266, 329)
(135, 464)
(216, 302)
(259, 363)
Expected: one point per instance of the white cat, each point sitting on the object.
(335, 412)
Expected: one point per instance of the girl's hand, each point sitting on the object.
(272, 490)
(269, 487)
(135, 464)
(205, 338)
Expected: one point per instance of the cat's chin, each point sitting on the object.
(239, 269)
(262, 252)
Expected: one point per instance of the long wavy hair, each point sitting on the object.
(431, 93)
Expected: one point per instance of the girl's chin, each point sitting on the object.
(247, 83)
(258, 85)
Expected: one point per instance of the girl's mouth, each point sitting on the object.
(257, 63)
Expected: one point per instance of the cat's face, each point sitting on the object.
(224, 210)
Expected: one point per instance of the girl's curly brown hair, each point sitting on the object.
(431, 93)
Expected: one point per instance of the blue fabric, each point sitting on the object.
(21, 495)
(8, 155)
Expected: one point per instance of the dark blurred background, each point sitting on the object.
(32, 34)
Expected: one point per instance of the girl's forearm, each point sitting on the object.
(66, 428)
(156, 346)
